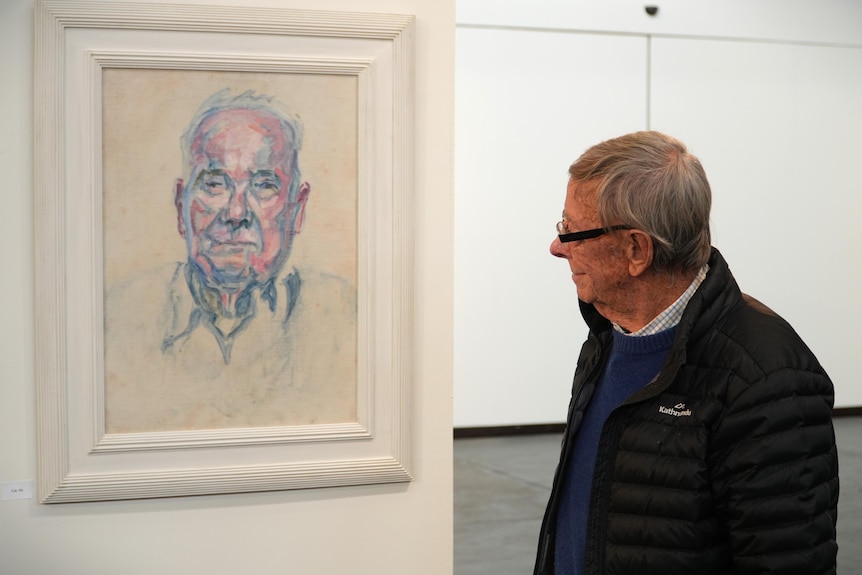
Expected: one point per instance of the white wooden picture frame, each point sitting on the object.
(76, 43)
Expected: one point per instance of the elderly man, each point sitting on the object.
(699, 436)
(242, 205)
(238, 338)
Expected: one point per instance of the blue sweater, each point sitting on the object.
(633, 363)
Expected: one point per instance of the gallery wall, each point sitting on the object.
(373, 529)
(766, 94)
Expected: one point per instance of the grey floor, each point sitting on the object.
(502, 485)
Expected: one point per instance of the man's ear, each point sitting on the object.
(179, 186)
(639, 250)
(299, 206)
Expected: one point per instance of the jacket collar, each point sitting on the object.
(715, 297)
(712, 297)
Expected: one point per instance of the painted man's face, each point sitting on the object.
(235, 212)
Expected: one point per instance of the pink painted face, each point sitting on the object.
(236, 213)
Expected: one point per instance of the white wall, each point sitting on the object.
(767, 95)
(384, 529)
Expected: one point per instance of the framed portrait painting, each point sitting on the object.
(222, 248)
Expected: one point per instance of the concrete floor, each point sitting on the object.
(502, 485)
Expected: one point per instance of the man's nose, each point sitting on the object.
(237, 212)
(557, 248)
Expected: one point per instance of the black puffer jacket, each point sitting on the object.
(725, 463)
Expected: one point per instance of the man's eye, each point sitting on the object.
(214, 186)
(267, 188)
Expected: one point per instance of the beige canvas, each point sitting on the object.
(295, 363)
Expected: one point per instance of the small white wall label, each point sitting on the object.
(16, 490)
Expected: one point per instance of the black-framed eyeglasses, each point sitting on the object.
(566, 237)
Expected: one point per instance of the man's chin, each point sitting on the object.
(229, 276)
(233, 273)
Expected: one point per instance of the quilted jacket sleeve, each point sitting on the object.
(775, 464)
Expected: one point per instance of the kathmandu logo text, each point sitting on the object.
(677, 410)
